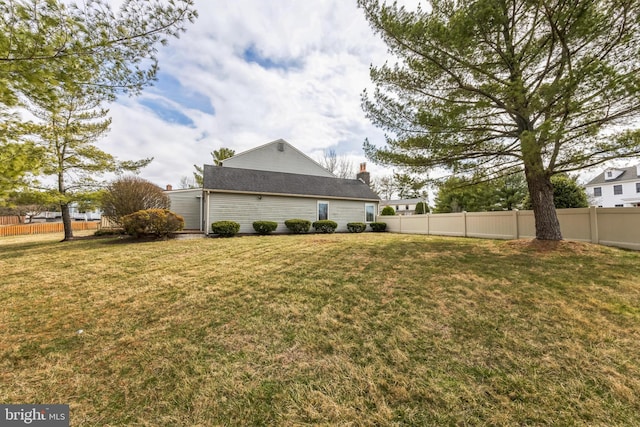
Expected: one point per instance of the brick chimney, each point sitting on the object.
(363, 175)
(169, 187)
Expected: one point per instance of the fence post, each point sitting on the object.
(593, 223)
(516, 229)
(464, 219)
(428, 231)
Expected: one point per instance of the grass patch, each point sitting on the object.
(357, 329)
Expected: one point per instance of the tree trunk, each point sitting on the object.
(66, 222)
(544, 210)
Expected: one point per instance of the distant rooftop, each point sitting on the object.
(628, 174)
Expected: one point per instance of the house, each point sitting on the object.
(402, 206)
(77, 214)
(615, 187)
(274, 182)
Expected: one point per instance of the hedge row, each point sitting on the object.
(295, 226)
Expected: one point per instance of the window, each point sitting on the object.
(597, 192)
(406, 207)
(609, 174)
(619, 206)
(369, 213)
(617, 189)
(637, 187)
(323, 210)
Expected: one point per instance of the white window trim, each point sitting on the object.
(373, 206)
(318, 209)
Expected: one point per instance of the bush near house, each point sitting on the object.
(378, 226)
(356, 227)
(325, 226)
(265, 227)
(298, 226)
(225, 228)
(388, 210)
(152, 222)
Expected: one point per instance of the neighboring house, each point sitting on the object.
(402, 206)
(56, 216)
(615, 187)
(274, 182)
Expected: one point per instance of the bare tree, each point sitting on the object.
(130, 194)
(385, 187)
(340, 166)
(188, 182)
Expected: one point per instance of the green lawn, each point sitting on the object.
(344, 329)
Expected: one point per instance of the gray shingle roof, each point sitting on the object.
(256, 181)
(629, 173)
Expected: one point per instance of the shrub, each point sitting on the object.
(131, 194)
(422, 208)
(265, 227)
(225, 228)
(388, 210)
(378, 226)
(325, 226)
(356, 227)
(298, 226)
(155, 222)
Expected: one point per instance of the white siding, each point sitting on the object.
(245, 209)
(344, 211)
(187, 204)
(269, 158)
(629, 197)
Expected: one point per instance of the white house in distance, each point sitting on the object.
(402, 206)
(274, 182)
(615, 187)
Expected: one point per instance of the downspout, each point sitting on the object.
(206, 216)
(200, 213)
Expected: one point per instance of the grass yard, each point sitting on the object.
(343, 329)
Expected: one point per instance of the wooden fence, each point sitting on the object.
(11, 219)
(606, 226)
(45, 227)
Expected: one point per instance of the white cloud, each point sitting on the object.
(319, 55)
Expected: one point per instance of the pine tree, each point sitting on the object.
(70, 123)
(484, 86)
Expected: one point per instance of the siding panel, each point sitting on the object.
(187, 204)
(269, 158)
(245, 209)
(344, 211)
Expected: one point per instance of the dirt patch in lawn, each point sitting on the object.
(547, 246)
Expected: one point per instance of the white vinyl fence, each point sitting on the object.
(606, 226)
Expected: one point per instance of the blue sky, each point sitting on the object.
(246, 73)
